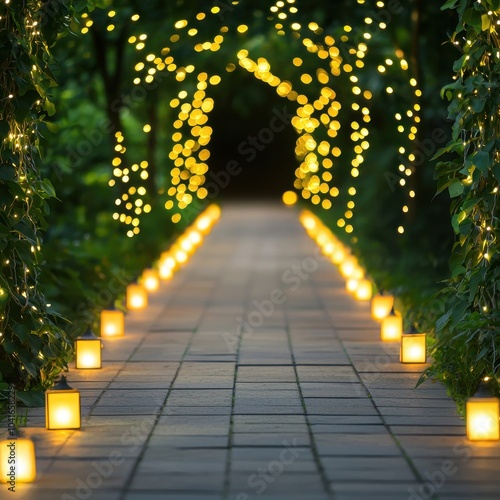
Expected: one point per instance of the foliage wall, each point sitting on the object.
(467, 332)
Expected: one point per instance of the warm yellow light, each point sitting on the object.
(391, 328)
(203, 224)
(150, 280)
(181, 256)
(62, 407)
(195, 237)
(88, 351)
(363, 290)
(413, 348)
(137, 297)
(165, 271)
(166, 266)
(112, 323)
(17, 461)
(482, 415)
(186, 245)
(348, 266)
(351, 285)
(290, 198)
(338, 255)
(381, 306)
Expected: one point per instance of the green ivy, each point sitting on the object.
(468, 331)
(33, 350)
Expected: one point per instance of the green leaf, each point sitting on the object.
(456, 188)
(485, 22)
(496, 170)
(31, 399)
(7, 172)
(9, 346)
(449, 4)
(443, 320)
(47, 188)
(482, 161)
(456, 260)
(49, 107)
(457, 271)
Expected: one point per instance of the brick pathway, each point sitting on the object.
(253, 375)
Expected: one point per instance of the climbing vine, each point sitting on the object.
(33, 350)
(467, 333)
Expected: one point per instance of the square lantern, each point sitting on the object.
(381, 306)
(482, 416)
(112, 323)
(413, 347)
(62, 407)
(17, 460)
(391, 328)
(348, 267)
(137, 297)
(351, 285)
(88, 349)
(150, 280)
(363, 291)
(166, 265)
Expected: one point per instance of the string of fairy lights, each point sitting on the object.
(318, 120)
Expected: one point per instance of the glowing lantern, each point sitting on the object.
(338, 255)
(214, 212)
(195, 237)
(181, 256)
(391, 328)
(203, 224)
(358, 273)
(17, 461)
(112, 323)
(351, 285)
(348, 267)
(62, 406)
(186, 245)
(482, 414)
(150, 280)
(166, 266)
(165, 271)
(381, 306)
(137, 297)
(88, 351)
(308, 220)
(413, 347)
(364, 290)
(328, 249)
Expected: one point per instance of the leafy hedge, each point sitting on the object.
(33, 350)
(468, 331)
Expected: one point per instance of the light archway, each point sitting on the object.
(326, 86)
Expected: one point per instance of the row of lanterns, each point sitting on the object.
(62, 402)
(482, 410)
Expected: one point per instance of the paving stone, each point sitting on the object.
(357, 444)
(362, 469)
